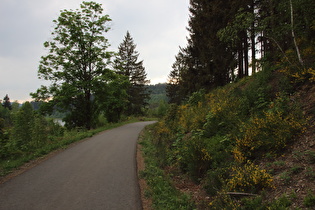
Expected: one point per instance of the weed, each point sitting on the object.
(310, 156)
(281, 203)
(309, 200)
(279, 163)
(298, 155)
(285, 177)
(163, 194)
(253, 203)
(296, 169)
(310, 173)
(214, 180)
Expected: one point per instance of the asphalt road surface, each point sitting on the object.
(96, 174)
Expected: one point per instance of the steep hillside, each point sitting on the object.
(294, 170)
(248, 145)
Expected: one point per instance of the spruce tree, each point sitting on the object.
(209, 60)
(6, 102)
(127, 64)
(175, 88)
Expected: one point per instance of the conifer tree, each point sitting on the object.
(175, 88)
(6, 102)
(127, 64)
(209, 60)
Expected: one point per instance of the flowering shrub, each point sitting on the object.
(249, 178)
(298, 73)
(305, 74)
(268, 133)
(223, 116)
(215, 137)
(192, 117)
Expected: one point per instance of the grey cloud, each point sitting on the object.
(157, 26)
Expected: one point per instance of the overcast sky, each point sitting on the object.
(158, 28)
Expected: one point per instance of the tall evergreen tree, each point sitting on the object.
(6, 102)
(175, 89)
(227, 38)
(127, 64)
(209, 59)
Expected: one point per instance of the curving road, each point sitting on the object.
(96, 174)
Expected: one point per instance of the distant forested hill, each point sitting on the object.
(157, 94)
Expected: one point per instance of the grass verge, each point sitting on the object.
(160, 189)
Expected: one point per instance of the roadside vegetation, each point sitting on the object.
(161, 189)
(27, 136)
(232, 142)
(90, 89)
(240, 125)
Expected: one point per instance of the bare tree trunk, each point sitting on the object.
(246, 54)
(240, 64)
(252, 37)
(293, 36)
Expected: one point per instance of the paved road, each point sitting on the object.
(97, 174)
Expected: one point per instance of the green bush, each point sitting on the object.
(214, 180)
(253, 204)
(281, 203)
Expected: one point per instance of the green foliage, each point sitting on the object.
(253, 203)
(164, 195)
(217, 137)
(46, 136)
(77, 65)
(5, 118)
(175, 89)
(39, 132)
(283, 202)
(22, 129)
(127, 64)
(238, 125)
(310, 155)
(272, 133)
(248, 178)
(158, 100)
(309, 200)
(198, 154)
(115, 96)
(215, 178)
(6, 102)
(159, 111)
(223, 34)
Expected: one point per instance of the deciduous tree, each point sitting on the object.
(77, 65)
(23, 126)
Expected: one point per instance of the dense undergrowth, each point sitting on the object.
(221, 138)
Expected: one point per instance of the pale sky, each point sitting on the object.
(158, 28)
